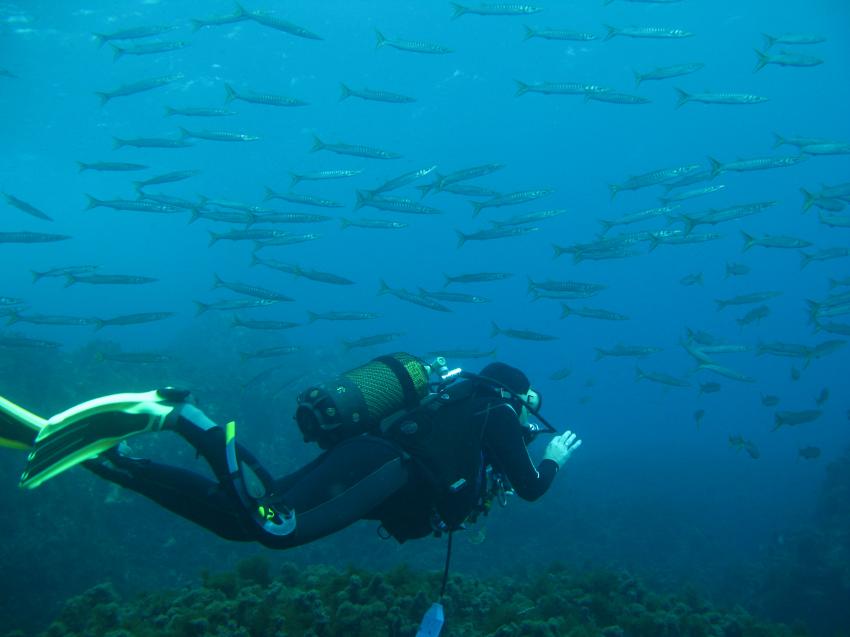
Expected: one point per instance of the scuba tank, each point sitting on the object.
(358, 400)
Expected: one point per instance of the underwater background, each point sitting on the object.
(708, 492)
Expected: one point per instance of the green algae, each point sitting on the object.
(323, 601)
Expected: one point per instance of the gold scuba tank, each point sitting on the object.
(358, 400)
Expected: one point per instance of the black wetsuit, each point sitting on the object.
(365, 477)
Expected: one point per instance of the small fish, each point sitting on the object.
(792, 38)
(757, 163)
(453, 297)
(401, 180)
(108, 279)
(692, 279)
(133, 319)
(307, 200)
(146, 49)
(769, 401)
(354, 150)
(793, 418)
(373, 224)
(691, 194)
(654, 177)
(31, 237)
(322, 175)
(270, 352)
(30, 343)
(839, 148)
(263, 325)
(613, 97)
(23, 206)
(288, 239)
(709, 388)
(134, 205)
(510, 199)
(666, 72)
(232, 304)
(785, 58)
(42, 319)
(494, 9)
(371, 95)
(719, 98)
(736, 269)
(593, 313)
(410, 297)
(412, 46)
(838, 252)
(217, 136)
(198, 111)
(342, 316)
(726, 372)
(795, 373)
(809, 453)
(526, 335)
(558, 34)
(661, 378)
(789, 350)
(150, 142)
(494, 233)
(261, 98)
(637, 351)
(134, 33)
(167, 178)
(369, 341)
(110, 166)
(249, 234)
(565, 286)
(279, 24)
(822, 397)
(250, 290)
(774, 241)
(59, 272)
(561, 374)
(756, 315)
(8, 301)
(646, 32)
(138, 87)
(393, 204)
(238, 16)
(699, 414)
(747, 299)
(476, 277)
(558, 88)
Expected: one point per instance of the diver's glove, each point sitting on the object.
(561, 447)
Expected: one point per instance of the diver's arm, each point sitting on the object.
(505, 445)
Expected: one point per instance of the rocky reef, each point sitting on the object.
(322, 601)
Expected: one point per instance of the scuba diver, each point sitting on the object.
(419, 456)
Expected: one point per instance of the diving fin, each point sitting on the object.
(18, 427)
(82, 432)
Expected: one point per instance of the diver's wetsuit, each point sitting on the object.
(365, 477)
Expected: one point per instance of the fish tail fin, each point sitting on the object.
(699, 279)
(117, 52)
(684, 97)
(82, 166)
(529, 33)
(447, 280)
(777, 421)
(104, 97)
(101, 38)
(344, 91)
(690, 223)
(461, 238)
(217, 282)
(117, 143)
(213, 238)
(459, 10)
(36, 276)
(195, 214)
(606, 225)
(808, 199)
(612, 31)
(201, 307)
(769, 40)
(600, 353)
(169, 111)
(184, 134)
(557, 250)
(778, 140)
(495, 330)
(565, 310)
(531, 285)
(721, 304)
(638, 77)
(381, 40)
(613, 189)
(716, 166)
(749, 241)
(424, 189)
(230, 93)
(654, 241)
(197, 25)
(639, 374)
(476, 207)
(763, 59)
(383, 287)
(362, 198)
(344, 223)
(312, 317)
(521, 88)
(14, 317)
(270, 194)
(318, 144)
(805, 259)
(70, 279)
(295, 179)
(93, 203)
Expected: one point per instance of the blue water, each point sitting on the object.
(645, 475)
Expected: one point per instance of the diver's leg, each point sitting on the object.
(185, 493)
(341, 487)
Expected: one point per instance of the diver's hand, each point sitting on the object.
(561, 447)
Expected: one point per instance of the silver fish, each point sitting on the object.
(719, 98)
(353, 150)
(261, 98)
(412, 46)
(371, 95)
(138, 87)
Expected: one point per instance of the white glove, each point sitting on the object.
(561, 447)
